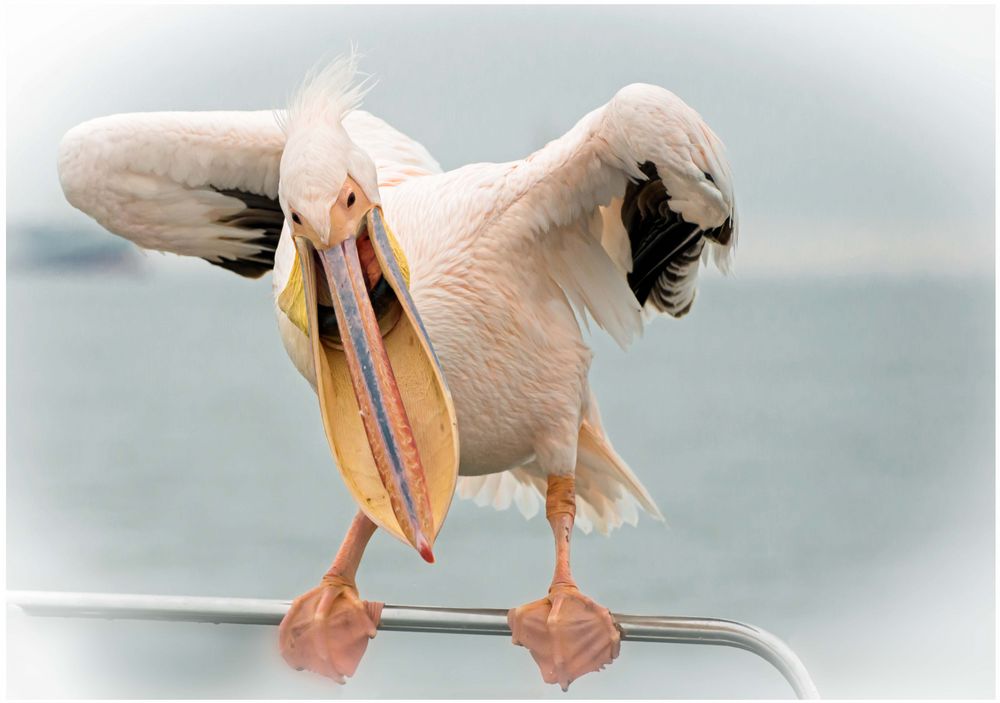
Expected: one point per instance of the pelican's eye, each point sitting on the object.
(350, 199)
(296, 219)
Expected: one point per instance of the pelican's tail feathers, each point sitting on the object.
(523, 487)
(607, 484)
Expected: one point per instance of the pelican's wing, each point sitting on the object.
(626, 204)
(193, 183)
(397, 157)
(204, 183)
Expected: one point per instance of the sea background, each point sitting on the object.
(819, 432)
(822, 450)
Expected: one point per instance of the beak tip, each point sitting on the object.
(425, 549)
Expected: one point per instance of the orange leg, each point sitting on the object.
(567, 633)
(327, 629)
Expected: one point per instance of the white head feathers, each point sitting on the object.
(319, 154)
(329, 91)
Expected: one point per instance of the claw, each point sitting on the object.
(327, 629)
(567, 633)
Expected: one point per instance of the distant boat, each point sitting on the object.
(46, 247)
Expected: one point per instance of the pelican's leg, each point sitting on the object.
(566, 632)
(327, 629)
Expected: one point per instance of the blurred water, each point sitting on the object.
(823, 451)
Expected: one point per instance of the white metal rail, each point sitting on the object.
(405, 618)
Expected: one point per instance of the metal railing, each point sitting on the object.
(405, 618)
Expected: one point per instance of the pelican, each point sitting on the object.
(437, 314)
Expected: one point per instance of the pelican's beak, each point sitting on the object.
(386, 409)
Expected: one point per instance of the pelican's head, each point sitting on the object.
(386, 410)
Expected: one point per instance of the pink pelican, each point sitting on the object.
(461, 320)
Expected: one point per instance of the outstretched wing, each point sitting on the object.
(204, 184)
(626, 205)
(194, 183)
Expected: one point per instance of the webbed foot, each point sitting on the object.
(567, 633)
(327, 629)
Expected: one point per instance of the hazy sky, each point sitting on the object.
(862, 138)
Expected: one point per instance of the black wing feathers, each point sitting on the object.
(261, 213)
(665, 247)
